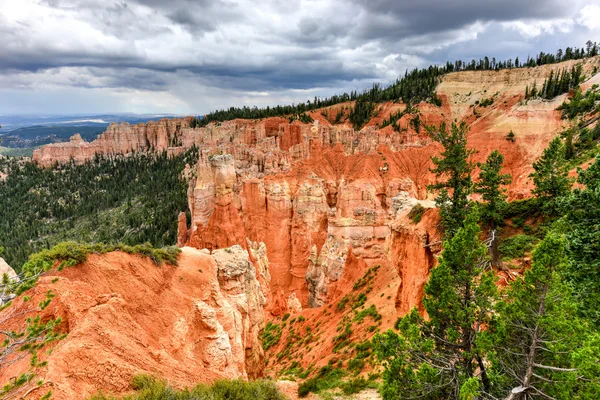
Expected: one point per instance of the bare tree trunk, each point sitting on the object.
(493, 250)
(521, 392)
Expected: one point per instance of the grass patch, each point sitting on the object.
(149, 388)
(327, 378)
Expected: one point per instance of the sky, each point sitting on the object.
(191, 57)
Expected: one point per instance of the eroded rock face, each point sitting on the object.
(311, 192)
(124, 316)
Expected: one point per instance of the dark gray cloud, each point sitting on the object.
(240, 49)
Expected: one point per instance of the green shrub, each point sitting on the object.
(527, 208)
(342, 304)
(271, 335)
(149, 388)
(355, 385)
(416, 213)
(368, 312)
(516, 246)
(511, 136)
(328, 377)
(359, 301)
(70, 254)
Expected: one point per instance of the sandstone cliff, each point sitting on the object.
(312, 191)
(123, 316)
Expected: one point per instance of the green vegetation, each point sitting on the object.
(130, 200)
(70, 254)
(149, 388)
(550, 175)
(511, 136)
(271, 335)
(491, 188)
(582, 230)
(453, 167)
(516, 246)
(537, 342)
(434, 358)
(16, 151)
(486, 102)
(557, 84)
(416, 213)
(581, 104)
(536, 338)
(327, 378)
(367, 312)
(415, 86)
(361, 113)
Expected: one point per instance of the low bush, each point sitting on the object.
(367, 312)
(522, 208)
(70, 254)
(516, 246)
(149, 388)
(271, 335)
(328, 377)
(416, 213)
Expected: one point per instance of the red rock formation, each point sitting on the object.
(124, 316)
(309, 191)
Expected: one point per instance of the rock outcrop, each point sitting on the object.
(123, 316)
(9, 275)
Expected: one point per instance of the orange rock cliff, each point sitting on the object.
(286, 218)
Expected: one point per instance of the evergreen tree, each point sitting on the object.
(490, 187)
(582, 216)
(550, 175)
(539, 347)
(454, 167)
(439, 357)
(511, 136)
(569, 146)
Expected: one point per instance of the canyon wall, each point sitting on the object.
(123, 316)
(317, 206)
(311, 192)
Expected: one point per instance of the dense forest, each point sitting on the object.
(128, 200)
(415, 86)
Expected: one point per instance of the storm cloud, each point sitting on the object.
(185, 56)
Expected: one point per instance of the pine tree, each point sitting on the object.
(511, 136)
(439, 357)
(582, 216)
(454, 167)
(539, 348)
(550, 175)
(569, 146)
(490, 187)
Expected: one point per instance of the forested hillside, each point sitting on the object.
(127, 199)
(415, 86)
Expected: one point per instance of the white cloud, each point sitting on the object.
(191, 57)
(590, 16)
(532, 29)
